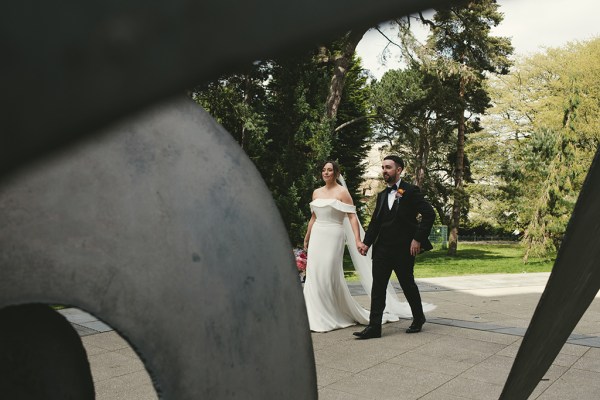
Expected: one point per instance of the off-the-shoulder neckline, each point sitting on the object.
(323, 198)
(334, 200)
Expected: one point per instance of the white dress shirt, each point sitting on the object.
(392, 195)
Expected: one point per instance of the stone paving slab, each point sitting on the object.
(84, 323)
(465, 350)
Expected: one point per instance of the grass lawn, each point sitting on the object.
(471, 259)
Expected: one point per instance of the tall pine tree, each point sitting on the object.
(466, 52)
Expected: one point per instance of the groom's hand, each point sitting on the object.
(415, 248)
(359, 246)
(363, 249)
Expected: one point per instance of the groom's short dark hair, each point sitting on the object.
(395, 159)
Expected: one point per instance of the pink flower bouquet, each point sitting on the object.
(300, 256)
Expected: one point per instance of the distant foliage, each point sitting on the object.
(411, 120)
(276, 111)
(548, 126)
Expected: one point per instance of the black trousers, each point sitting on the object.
(382, 271)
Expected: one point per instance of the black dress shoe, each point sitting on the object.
(369, 332)
(361, 332)
(358, 333)
(416, 325)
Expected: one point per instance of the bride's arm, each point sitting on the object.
(310, 223)
(307, 236)
(346, 198)
(355, 229)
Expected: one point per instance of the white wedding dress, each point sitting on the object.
(329, 304)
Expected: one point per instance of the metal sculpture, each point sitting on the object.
(163, 228)
(162, 222)
(124, 224)
(70, 68)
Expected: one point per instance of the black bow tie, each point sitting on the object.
(392, 188)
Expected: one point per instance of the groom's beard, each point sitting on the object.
(389, 179)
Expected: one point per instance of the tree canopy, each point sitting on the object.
(292, 114)
(492, 144)
(547, 126)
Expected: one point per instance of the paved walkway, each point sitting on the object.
(465, 350)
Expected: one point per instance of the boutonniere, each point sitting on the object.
(399, 193)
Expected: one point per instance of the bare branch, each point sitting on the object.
(388, 39)
(345, 124)
(426, 21)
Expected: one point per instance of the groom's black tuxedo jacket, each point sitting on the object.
(392, 231)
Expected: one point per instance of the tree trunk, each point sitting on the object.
(458, 173)
(422, 158)
(341, 62)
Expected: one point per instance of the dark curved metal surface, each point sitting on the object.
(163, 228)
(69, 68)
(138, 226)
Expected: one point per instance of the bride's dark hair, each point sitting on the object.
(336, 169)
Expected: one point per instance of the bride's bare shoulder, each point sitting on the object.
(344, 196)
(318, 192)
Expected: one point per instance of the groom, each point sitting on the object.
(397, 237)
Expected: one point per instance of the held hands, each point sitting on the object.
(415, 248)
(362, 248)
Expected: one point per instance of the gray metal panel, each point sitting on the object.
(163, 228)
(70, 69)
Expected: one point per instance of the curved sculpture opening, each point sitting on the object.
(118, 371)
(41, 356)
(57, 353)
(144, 229)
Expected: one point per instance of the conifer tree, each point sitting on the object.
(465, 54)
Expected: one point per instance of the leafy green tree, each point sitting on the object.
(484, 156)
(291, 114)
(303, 137)
(548, 128)
(465, 53)
(238, 102)
(299, 138)
(353, 135)
(410, 119)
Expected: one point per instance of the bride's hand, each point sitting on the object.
(360, 247)
(365, 249)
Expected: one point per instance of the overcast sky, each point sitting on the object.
(531, 24)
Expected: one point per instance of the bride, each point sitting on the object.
(333, 222)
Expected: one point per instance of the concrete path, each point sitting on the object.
(465, 351)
